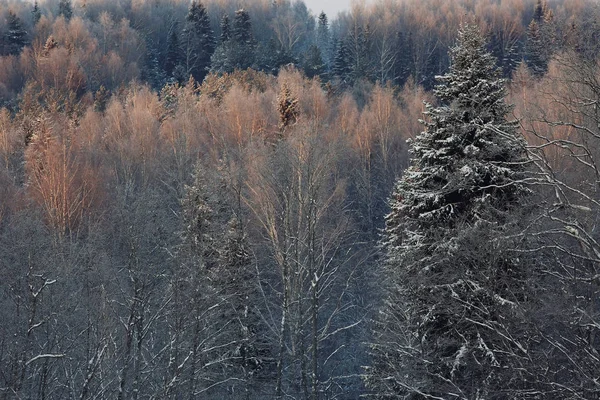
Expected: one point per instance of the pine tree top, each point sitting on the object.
(65, 9)
(198, 17)
(225, 29)
(323, 21)
(15, 35)
(242, 27)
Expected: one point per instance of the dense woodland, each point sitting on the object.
(245, 200)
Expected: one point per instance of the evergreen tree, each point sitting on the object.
(204, 339)
(152, 72)
(359, 54)
(242, 28)
(65, 9)
(222, 294)
(541, 37)
(341, 63)
(324, 39)
(173, 59)
(225, 29)
(36, 14)
(313, 62)
(506, 52)
(16, 35)
(287, 106)
(534, 51)
(238, 286)
(271, 57)
(403, 67)
(452, 325)
(199, 42)
(237, 51)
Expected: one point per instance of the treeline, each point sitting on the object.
(192, 194)
(87, 46)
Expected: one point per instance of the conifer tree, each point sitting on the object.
(242, 28)
(287, 106)
(359, 55)
(36, 14)
(452, 325)
(225, 29)
(540, 43)
(341, 63)
(324, 39)
(237, 49)
(152, 72)
(173, 59)
(404, 57)
(313, 62)
(238, 285)
(16, 35)
(194, 292)
(199, 41)
(221, 289)
(65, 9)
(534, 50)
(101, 98)
(270, 57)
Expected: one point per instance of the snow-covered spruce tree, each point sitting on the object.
(454, 322)
(198, 42)
(16, 35)
(237, 49)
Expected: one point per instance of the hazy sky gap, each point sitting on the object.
(331, 7)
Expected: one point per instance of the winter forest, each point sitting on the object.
(229, 199)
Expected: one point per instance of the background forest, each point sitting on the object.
(193, 197)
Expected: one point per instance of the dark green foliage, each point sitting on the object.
(174, 57)
(353, 59)
(238, 285)
(403, 67)
(238, 52)
(535, 57)
(313, 62)
(198, 42)
(65, 8)
(359, 53)
(462, 163)
(272, 57)
(507, 52)
(230, 56)
(36, 14)
(153, 73)
(341, 63)
(540, 44)
(456, 292)
(242, 28)
(225, 29)
(16, 35)
(323, 41)
(218, 273)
